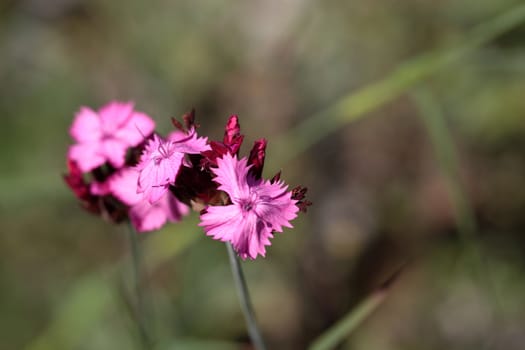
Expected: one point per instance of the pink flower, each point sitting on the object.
(143, 215)
(162, 159)
(106, 135)
(258, 208)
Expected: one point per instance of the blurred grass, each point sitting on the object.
(196, 344)
(89, 303)
(467, 227)
(93, 297)
(356, 105)
(345, 326)
(90, 298)
(164, 246)
(448, 162)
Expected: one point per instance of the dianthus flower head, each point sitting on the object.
(258, 208)
(161, 160)
(105, 136)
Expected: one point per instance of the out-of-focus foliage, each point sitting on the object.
(380, 192)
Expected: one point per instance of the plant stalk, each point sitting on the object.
(244, 299)
(140, 314)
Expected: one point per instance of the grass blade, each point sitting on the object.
(355, 105)
(345, 326)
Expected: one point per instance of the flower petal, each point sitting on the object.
(114, 115)
(147, 217)
(247, 234)
(155, 178)
(86, 155)
(222, 222)
(123, 185)
(246, 242)
(159, 166)
(276, 207)
(185, 144)
(115, 152)
(175, 208)
(133, 131)
(86, 126)
(231, 174)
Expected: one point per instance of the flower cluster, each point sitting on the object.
(102, 167)
(120, 168)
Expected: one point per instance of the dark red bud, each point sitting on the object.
(256, 158)
(232, 129)
(232, 135)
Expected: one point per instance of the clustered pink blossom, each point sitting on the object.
(258, 208)
(121, 169)
(162, 159)
(108, 146)
(105, 136)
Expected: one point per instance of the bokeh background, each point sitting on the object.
(416, 167)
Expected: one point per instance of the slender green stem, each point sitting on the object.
(348, 323)
(137, 282)
(345, 326)
(244, 299)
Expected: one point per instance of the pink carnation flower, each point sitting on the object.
(143, 215)
(106, 135)
(161, 160)
(258, 208)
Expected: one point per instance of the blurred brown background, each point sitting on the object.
(443, 202)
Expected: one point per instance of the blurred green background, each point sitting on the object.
(429, 180)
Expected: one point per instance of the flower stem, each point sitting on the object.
(137, 277)
(244, 299)
(339, 331)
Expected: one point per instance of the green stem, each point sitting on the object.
(137, 282)
(333, 336)
(244, 299)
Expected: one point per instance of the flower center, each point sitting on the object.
(106, 135)
(164, 149)
(248, 204)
